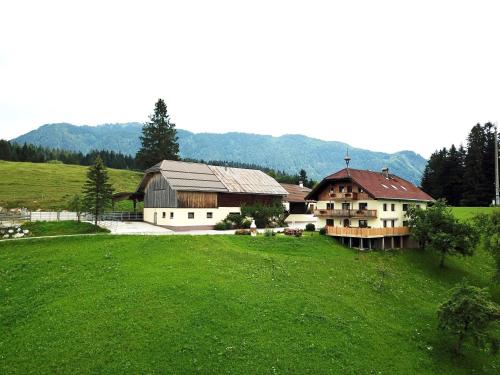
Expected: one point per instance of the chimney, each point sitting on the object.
(385, 172)
(301, 184)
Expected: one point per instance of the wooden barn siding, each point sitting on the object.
(238, 200)
(159, 194)
(195, 199)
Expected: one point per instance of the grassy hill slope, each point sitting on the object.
(227, 304)
(50, 186)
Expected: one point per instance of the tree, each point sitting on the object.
(468, 313)
(76, 205)
(437, 229)
(159, 138)
(97, 190)
(489, 226)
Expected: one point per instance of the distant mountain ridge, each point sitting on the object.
(287, 152)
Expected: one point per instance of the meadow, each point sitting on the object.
(50, 186)
(227, 304)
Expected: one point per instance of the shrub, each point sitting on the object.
(222, 225)
(242, 232)
(292, 232)
(246, 224)
(322, 231)
(236, 220)
(265, 215)
(310, 227)
(269, 233)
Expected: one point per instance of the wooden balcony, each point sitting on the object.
(367, 232)
(346, 213)
(346, 196)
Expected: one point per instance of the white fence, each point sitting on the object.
(66, 215)
(52, 216)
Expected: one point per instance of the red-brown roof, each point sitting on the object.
(295, 193)
(378, 185)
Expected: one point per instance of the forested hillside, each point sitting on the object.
(288, 153)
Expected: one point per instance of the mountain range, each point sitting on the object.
(289, 153)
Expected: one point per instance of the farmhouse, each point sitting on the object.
(366, 209)
(299, 210)
(183, 196)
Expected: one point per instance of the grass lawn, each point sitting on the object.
(227, 304)
(55, 228)
(50, 186)
(465, 213)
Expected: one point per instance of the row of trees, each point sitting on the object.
(37, 154)
(464, 176)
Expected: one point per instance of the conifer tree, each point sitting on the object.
(159, 138)
(97, 190)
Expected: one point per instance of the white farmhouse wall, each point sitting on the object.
(181, 218)
(398, 214)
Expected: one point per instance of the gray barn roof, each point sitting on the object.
(186, 176)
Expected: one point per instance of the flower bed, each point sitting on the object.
(13, 231)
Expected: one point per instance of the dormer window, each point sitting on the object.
(387, 187)
(394, 187)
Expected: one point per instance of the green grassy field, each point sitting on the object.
(57, 228)
(50, 186)
(227, 304)
(466, 213)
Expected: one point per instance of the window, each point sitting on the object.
(210, 215)
(387, 187)
(363, 206)
(405, 223)
(341, 188)
(163, 215)
(329, 222)
(385, 206)
(393, 223)
(329, 206)
(363, 224)
(402, 187)
(394, 187)
(385, 223)
(171, 215)
(346, 206)
(360, 189)
(190, 215)
(418, 206)
(405, 206)
(393, 207)
(349, 189)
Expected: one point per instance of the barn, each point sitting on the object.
(184, 196)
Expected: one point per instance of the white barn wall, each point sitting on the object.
(181, 216)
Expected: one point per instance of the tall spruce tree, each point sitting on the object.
(452, 178)
(159, 138)
(97, 190)
(475, 177)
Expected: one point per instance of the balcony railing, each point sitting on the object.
(347, 196)
(367, 232)
(346, 213)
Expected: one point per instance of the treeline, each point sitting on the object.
(464, 176)
(38, 154)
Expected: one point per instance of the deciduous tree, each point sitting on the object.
(467, 314)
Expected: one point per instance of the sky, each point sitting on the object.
(381, 75)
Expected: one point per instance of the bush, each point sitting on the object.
(246, 224)
(269, 233)
(322, 231)
(236, 220)
(264, 215)
(310, 227)
(242, 232)
(292, 232)
(222, 225)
